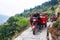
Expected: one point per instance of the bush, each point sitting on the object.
(55, 24)
(22, 23)
(12, 25)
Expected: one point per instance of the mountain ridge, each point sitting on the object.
(3, 18)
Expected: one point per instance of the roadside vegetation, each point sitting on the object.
(14, 24)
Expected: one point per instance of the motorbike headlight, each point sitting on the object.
(34, 19)
(33, 26)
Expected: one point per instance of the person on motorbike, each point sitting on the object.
(37, 14)
(53, 18)
(34, 21)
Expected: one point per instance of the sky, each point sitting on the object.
(12, 7)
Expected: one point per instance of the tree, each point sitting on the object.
(12, 20)
(53, 2)
(52, 8)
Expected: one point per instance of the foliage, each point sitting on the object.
(54, 2)
(22, 23)
(13, 24)
(55, 24)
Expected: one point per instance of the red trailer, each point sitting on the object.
(43, 20)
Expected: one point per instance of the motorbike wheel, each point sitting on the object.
(34, 32)
(45, 25)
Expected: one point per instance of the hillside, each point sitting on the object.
(48, 7)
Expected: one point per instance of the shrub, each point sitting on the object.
(22, 23)
(55, 24)
(12, 25)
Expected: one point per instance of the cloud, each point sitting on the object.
(11, 7)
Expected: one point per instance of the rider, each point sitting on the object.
(37, 14)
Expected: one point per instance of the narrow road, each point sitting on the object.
(27, 35)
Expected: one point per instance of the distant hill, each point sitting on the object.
(48, 7)
(3, 18)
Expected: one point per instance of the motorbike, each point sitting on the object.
(35, 25)
(53, 18)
